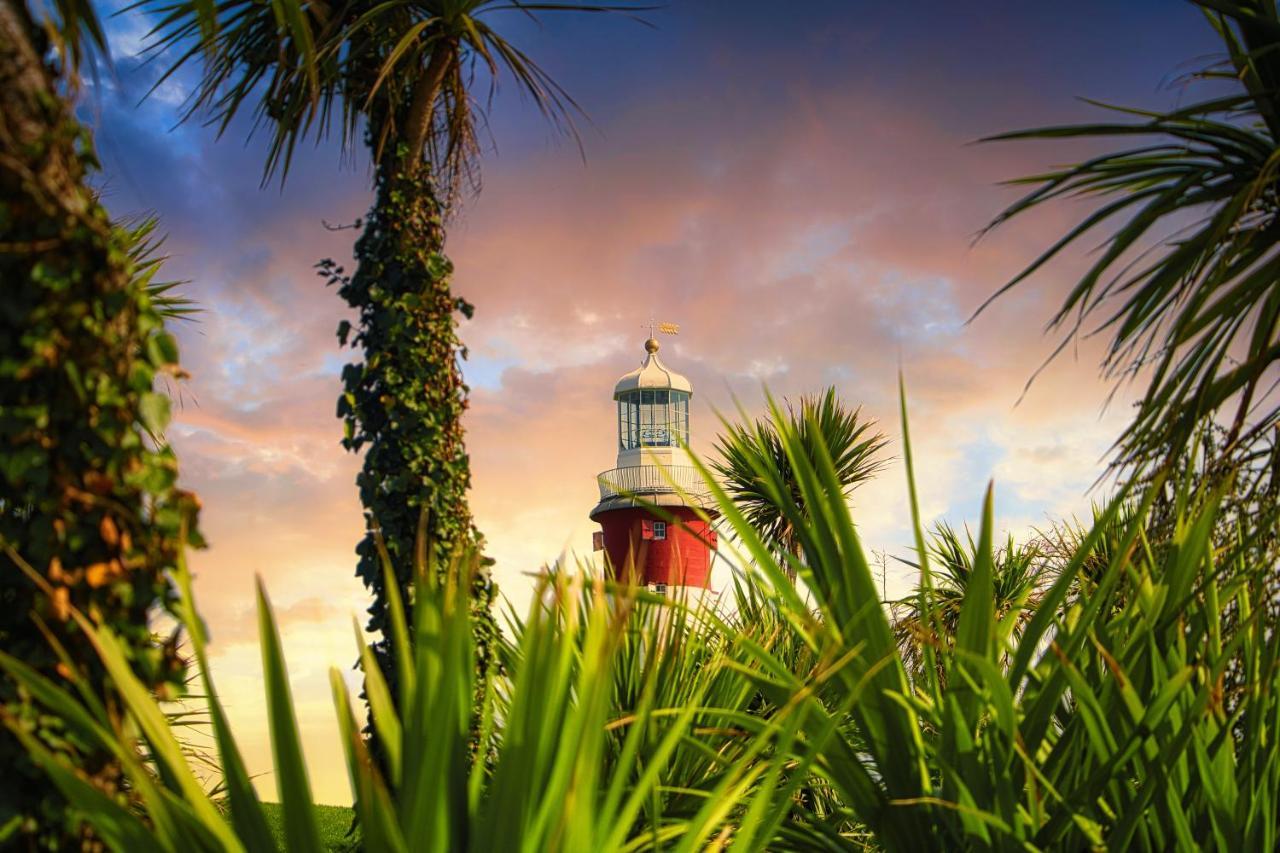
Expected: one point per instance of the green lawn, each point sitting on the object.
(334, 821)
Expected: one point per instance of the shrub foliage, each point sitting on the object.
(624, 721)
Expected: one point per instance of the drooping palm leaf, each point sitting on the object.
(1187, 284)
(400, 71)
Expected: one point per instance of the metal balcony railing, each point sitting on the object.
(643, 480)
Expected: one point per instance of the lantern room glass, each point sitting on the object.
(653, 417)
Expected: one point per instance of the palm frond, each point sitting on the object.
(1186, 284)
(929, 617)
(401, 71)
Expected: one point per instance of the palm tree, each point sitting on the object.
(1187, 285)
(400, 72)
(824, 426)
(931, 617)
(91, 518)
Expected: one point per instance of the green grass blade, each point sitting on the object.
(247, 818)
(379, 827)
(300, 830)
(381, 710)
(165, 748)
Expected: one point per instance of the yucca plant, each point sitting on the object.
(682, 651)
(553, 781)
(1098, 724)
(1133, 717)
(669, 655)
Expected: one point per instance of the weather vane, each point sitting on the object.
(655, 327)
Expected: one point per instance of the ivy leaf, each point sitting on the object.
(162, 349)
(154, 411)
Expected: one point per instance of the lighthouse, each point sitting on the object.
(654, 504)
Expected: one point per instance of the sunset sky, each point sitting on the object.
(795, 184)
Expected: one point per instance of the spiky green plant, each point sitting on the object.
(144, 243)
(1101, 724)
(821, 420)
(679, 652)
(553, 782)
(1019, 577)
(1105, 720)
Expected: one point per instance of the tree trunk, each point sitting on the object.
(403, 405)
(85, 500)
(422, 103)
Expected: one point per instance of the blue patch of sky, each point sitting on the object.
(966, 494)
(810, 249)
(700, 52)
(979, 460)
(331, 363)
(909, 308)
(1052, 51)
(606, 60)
(249, 365)
(482, 373)
(126, 28)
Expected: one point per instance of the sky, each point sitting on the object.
(797, 185)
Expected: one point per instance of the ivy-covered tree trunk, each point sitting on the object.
(86, 500)
(403, 404)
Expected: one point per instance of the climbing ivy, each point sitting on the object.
(89, 502)
(403, 403)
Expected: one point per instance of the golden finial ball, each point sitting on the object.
(651, 345)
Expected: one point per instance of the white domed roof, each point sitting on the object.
(652, 374)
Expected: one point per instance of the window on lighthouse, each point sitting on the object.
(653, 417)
(680, 416)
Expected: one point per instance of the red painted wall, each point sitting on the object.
(682, 559)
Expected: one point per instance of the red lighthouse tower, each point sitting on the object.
(650, 504)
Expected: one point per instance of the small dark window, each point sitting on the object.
(659, 530)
